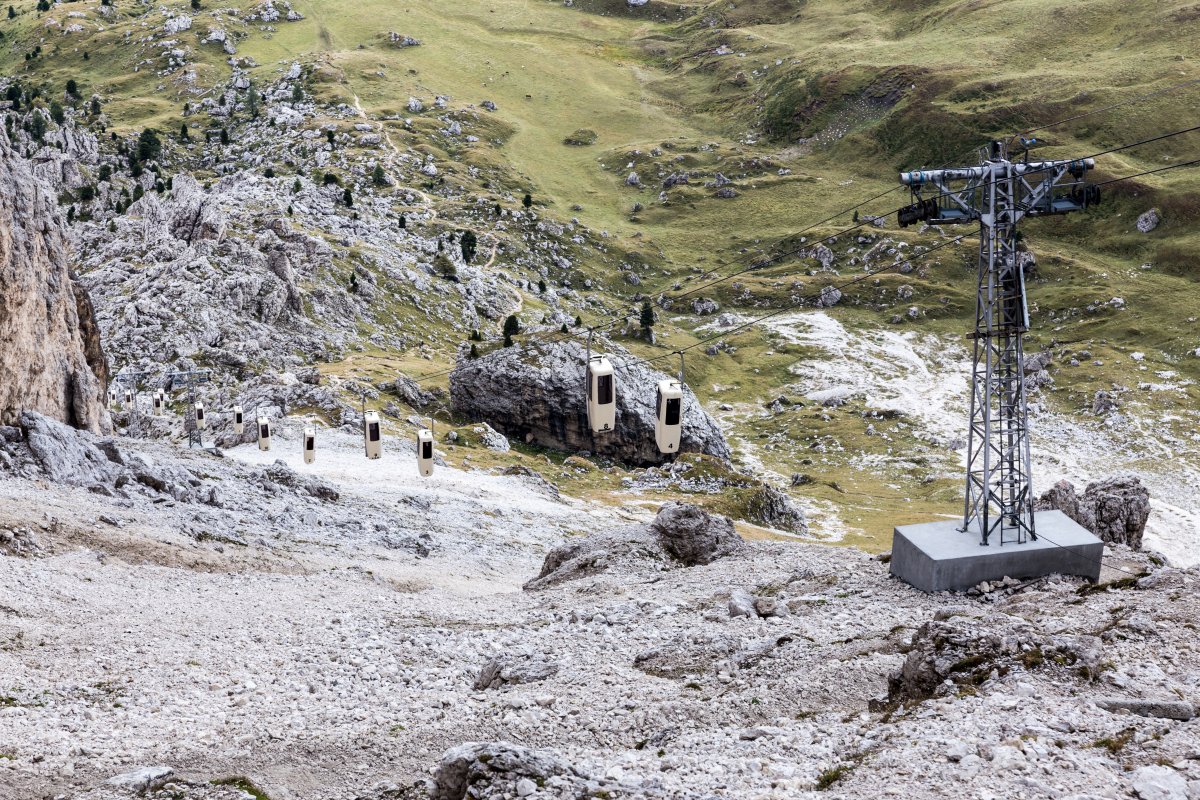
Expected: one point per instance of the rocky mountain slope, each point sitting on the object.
(245, 632)
(335, 208)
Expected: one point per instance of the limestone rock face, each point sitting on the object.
(51, 360)
(1115, 509)
(535, 391)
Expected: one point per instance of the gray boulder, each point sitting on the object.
(945, 655)
(1115, 509)
(283, 475)
(534, 392)
(581, 558)
(142, 780)
(509, 671)
(694, 536)
(1148, 221)
(493, 769)
(65, 455)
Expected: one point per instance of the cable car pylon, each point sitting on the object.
(998, 193)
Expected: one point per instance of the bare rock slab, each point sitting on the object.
(937, 557)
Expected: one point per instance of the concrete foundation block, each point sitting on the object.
(937, 557)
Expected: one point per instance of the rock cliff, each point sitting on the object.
(535, 391)
(51, 360)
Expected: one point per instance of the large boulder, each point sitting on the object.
(68, 457)
(946, 655)
(495, 769)
(694, 536)
(50, 361)
(535, 391)
(681, 533)
(1115, 509)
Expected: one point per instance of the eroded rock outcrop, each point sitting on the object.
(535, 391)
(500, 769)
(1115, 509)
(681, 534)
(51, 360)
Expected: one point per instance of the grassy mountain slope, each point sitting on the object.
(807, 108)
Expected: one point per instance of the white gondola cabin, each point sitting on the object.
(310, 445)
(668, 409)
(112, 396)
(157, 402)
(200, 421)
(239, 420)
(372, 434)
(601, 395)
(425, 452)
(128, 399)
(264, 433)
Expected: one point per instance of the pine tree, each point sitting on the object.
(578, 321)
(224, 136)
(474, 351)
(57, 114)
(647, 319)
(378, 176)
(37, 127)
(95, 106)
(72, 88)
(499, 210)
(527, 201)
(541, 286)
(564, 328)
(512, 326)
(347, 197)
(195, 5)
(149, 148)
(70, 215)
(297, 94)
(269, 172)
(468, 246)
(403, 222)
(296, 186)
(184, 134)
(330, 135)
(12, 12)
(252, 103)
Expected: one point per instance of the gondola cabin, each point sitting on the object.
(157, 403)
(264, 433)
(112, 397)
(601, 395)
(128, 399)
(239, 420)
(200, 422)
(310, 445)
(668, 408)
(425, 452)
(372, 434)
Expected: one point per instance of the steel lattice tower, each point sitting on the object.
(998, 194)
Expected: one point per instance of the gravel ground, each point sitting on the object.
(335, 653)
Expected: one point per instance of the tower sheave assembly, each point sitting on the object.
(998, 506)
